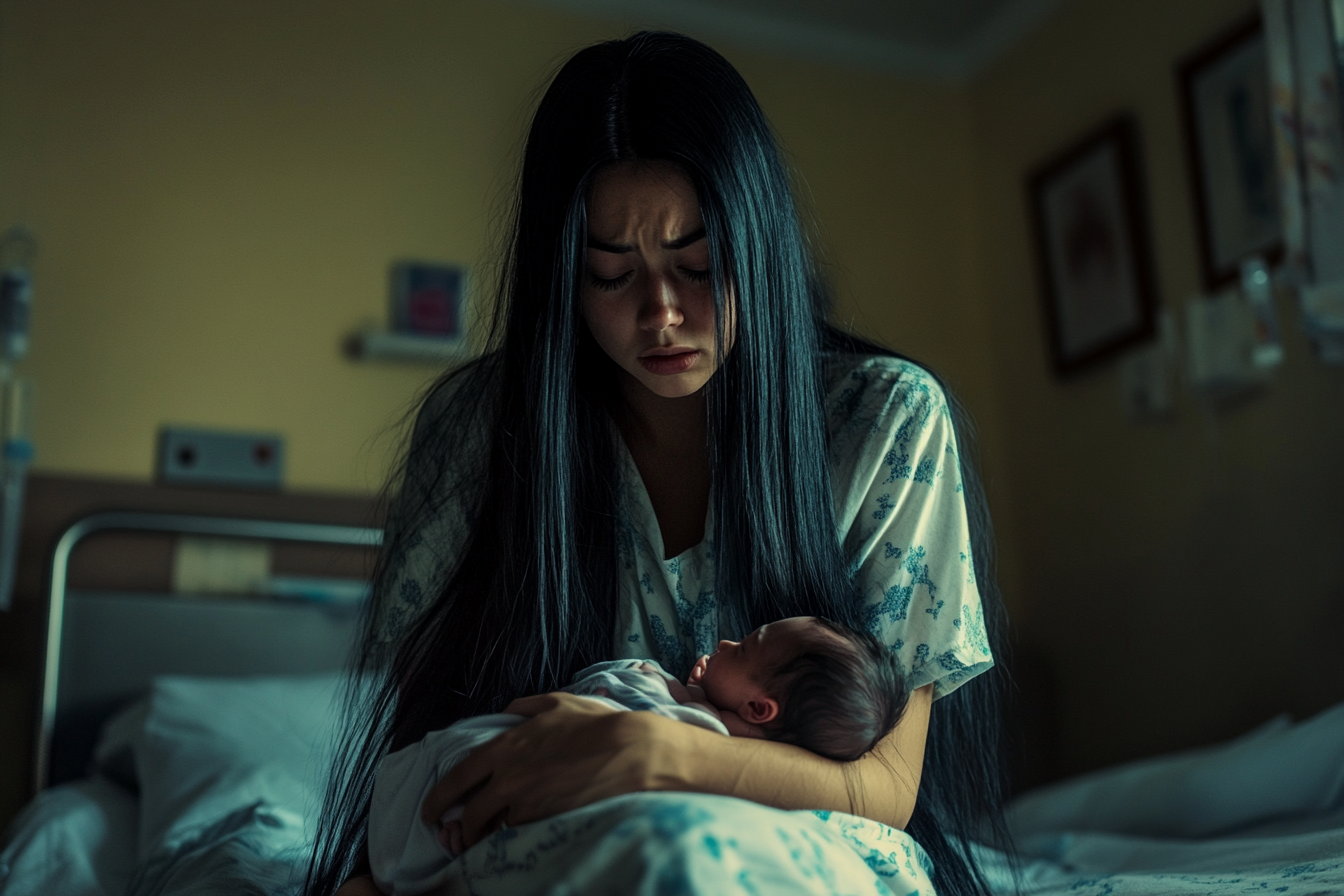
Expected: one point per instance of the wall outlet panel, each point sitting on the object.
(220, 458)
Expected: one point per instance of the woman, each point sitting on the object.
(668, 445)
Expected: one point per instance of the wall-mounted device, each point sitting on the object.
(191, 456)
(18, 248)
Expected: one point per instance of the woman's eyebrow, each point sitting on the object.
(680, 242)
(595, 243)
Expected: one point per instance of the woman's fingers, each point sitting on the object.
(484, 812)
(531, 706)
(507, 757)
(498, 786)
(508, 799)
(572, 751)
(468, 776)
(465, 778)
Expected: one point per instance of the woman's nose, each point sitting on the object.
(660, 309)
(725, 644)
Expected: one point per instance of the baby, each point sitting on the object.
(805, 681)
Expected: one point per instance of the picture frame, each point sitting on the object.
(429, 301)
(1092, 248)
(1230, 153)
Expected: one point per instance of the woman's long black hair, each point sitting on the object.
(520, 446)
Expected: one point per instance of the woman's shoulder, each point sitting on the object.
(453, 420)
(435, 499)
(866, 394)
(470, 386)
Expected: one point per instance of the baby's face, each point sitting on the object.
(735, 672)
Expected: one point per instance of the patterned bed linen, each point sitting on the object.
(690, 844)
(672, 843)
(644, 844)
(682, 844)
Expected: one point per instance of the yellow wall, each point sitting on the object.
(1187, 578)
(218, 189)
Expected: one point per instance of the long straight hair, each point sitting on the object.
(521, 447)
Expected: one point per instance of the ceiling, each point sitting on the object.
(950, 40)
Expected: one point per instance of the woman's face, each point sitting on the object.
(647, 296)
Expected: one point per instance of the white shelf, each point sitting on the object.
(378, 345)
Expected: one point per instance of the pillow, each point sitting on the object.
(1278, 771)
(114, 754)
(75, 839)
(209, 746)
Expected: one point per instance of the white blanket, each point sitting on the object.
(631, 844)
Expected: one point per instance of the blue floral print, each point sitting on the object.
(902, 519)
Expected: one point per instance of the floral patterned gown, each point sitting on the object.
(902, 523)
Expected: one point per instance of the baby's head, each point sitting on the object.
(811, 682)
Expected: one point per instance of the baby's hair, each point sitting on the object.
(840, 695)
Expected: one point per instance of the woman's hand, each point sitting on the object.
(571, 752)
(574, 751)
(361, 885)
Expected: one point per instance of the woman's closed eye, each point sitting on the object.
(610, 283)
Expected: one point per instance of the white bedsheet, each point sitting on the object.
(1278, 772)
(78, 839)
(1263, 813)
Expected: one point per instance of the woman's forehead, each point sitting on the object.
(649, 200)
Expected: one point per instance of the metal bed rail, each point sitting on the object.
(165, 523)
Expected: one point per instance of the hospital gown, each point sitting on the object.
(901, 518)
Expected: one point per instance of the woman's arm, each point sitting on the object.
(881, 785)
(574, 752)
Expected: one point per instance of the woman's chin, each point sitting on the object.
(679, 386)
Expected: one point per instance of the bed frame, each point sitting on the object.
(103, 648)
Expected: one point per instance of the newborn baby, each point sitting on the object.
(804, 680)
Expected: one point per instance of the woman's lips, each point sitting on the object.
(670, 364)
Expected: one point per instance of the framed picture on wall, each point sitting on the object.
(429, 300)
(1092, 248)
(1229, 140)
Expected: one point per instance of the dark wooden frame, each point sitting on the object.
(1188, 70)
(1122, 133)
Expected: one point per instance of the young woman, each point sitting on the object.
(667, 445)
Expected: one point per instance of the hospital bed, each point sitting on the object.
(183, 744)
(173, 683)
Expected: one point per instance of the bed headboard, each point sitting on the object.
(104, 647)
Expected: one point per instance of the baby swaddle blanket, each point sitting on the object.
(405, 853)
